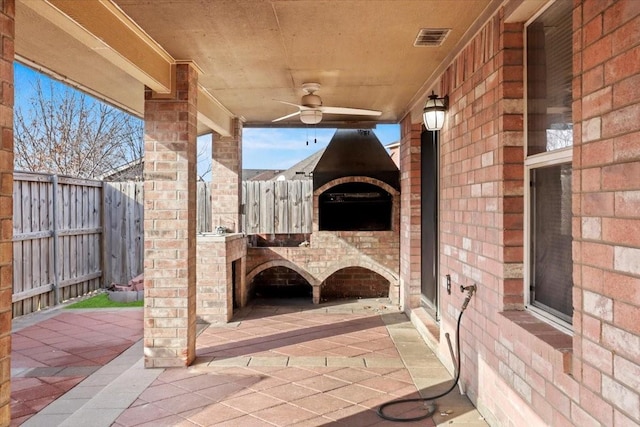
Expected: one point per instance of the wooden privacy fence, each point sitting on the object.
(72, 236)
(277, 207)
(57, 239)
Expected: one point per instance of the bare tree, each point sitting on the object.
(67, 132)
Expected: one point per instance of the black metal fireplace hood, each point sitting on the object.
(355, 152)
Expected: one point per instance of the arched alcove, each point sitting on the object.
(354, 282)
(279, 282)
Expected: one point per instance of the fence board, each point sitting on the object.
(281, 210)
(267, 206)
(252, 208)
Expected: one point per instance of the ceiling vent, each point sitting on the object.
(431, 37)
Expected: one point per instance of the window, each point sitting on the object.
(549, 133)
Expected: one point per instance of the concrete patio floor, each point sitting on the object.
(279, 363)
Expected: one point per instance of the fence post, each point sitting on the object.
(56, 248)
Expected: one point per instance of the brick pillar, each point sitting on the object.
(6, 203)
(410, 234)
(226, 181)
(170, 223)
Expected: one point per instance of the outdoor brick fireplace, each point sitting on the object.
(354, 248)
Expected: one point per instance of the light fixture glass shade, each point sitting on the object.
(310, 117)
(434, 112)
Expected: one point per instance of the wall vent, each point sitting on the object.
(431, 37)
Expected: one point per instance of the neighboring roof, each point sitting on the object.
(303, 169)
(392, 145)
(131, 171)
(259, 174)
(394, 152)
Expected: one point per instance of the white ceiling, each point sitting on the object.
(250, 52)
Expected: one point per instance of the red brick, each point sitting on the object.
(622, 66)
(597, 255)
(591, 180)
(623, 176)
(597, 103)
(598, 407)
(597, 204)
(622, 287)
(592, 80)
(626, 91)
(592, 279)
(591, 378)
(621, 231)
(626, 148)
(627, 317)
(597, 53)
(597, 153)
(591, 10)
(592, 30)
(620, 15)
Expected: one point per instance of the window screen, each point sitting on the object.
(551, 269)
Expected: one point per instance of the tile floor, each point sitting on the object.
(276, 364)
(53, 351)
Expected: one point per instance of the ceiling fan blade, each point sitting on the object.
(288, 116)
(350, 111)
(289, 103)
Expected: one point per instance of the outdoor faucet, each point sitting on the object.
(471, 289)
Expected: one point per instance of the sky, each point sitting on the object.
(262, 148)
(281, 148)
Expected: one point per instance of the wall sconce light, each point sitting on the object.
(434, 111)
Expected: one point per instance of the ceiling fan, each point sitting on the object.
(311, 108)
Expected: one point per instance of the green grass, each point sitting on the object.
(103, 301)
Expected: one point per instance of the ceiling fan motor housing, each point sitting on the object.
(312, 101)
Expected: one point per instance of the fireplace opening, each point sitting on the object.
(280, 282)
(354, 282)
(355, 206)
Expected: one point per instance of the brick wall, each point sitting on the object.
(410, 234)
(216, 286)
(606, 208)
(226, 179)
(330, 251)
(7, 13)
(518, 369)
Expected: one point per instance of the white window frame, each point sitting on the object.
(551, 158)
(532, 162)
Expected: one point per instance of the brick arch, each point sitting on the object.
(355, 262)
(346, 179)
(282, 263)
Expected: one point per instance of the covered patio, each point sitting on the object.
(529, 191)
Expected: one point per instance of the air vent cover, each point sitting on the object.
(431, 37)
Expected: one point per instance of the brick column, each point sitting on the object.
(226, 181)
(410, 234)
(6, 203)
(170, 223)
